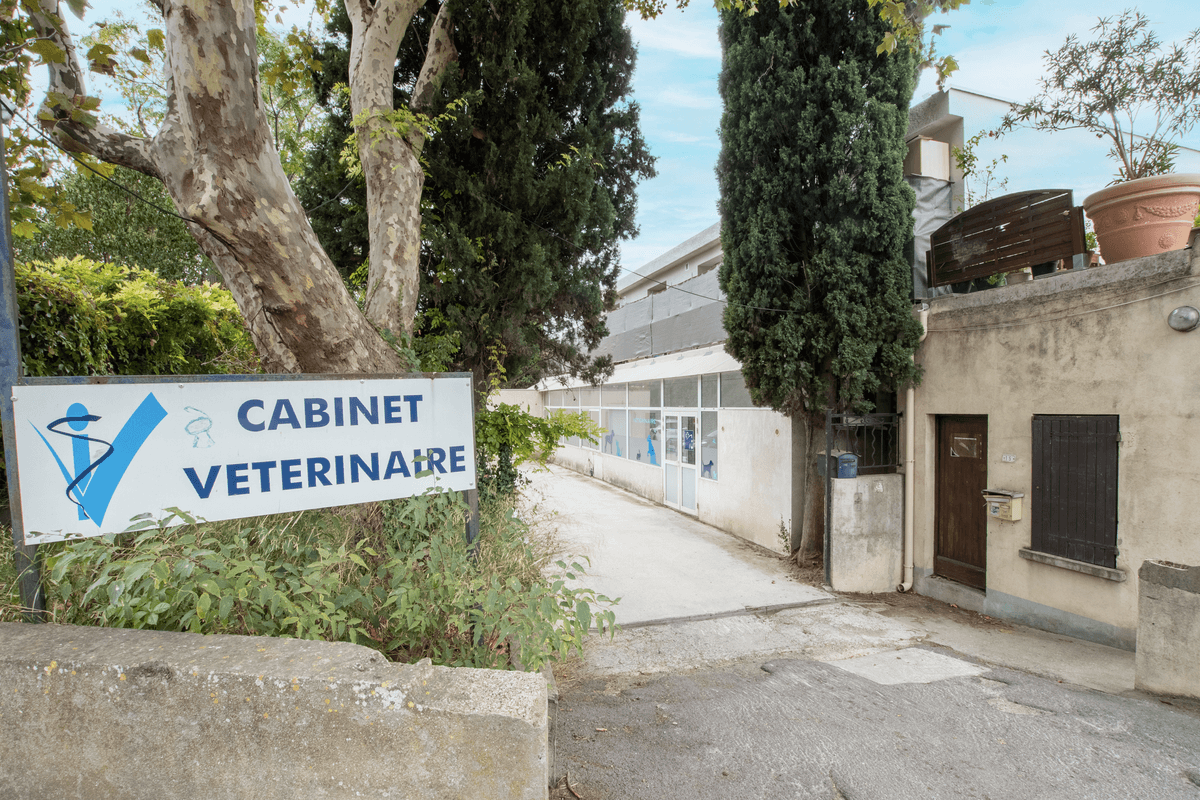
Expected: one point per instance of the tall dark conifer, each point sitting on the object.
(815, 215)
(530, 185)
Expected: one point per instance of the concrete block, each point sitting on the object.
(1168, 632)
(867, 533)
(96, 712)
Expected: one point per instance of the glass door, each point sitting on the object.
(671, 460)
(680, 443)
(687, 466)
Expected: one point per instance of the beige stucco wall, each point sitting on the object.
(528, 399)
(1087, 342)
(866, 539)
(753, 491)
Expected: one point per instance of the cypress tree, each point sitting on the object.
(815, 215)
(529, 187)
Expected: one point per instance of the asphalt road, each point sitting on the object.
(797, 728)
(732, 680)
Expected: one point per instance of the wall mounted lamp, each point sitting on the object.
(1184, 319)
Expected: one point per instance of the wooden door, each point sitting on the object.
(960, 516)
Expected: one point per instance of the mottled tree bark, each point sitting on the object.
(217, 158)
(390, 159)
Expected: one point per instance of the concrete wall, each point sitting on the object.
(94, 712)
(867, 534)
(753, 493)
(684, 261)
(1086, 342)
(528, 399)
(1168, 651)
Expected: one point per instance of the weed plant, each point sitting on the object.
(397, 576)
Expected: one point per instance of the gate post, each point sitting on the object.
(25, 557)
(826, 547)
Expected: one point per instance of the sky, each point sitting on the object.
(999, 46)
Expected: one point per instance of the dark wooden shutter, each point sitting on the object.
(1074, 508)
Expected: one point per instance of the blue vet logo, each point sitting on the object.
(91, 484)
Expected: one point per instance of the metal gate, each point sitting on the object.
(873, 441)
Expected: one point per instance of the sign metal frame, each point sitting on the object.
(32, 595)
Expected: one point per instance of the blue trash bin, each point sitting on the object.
(847, 465)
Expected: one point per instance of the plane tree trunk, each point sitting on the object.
(215, 154)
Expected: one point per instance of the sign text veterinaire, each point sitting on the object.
(93, 457)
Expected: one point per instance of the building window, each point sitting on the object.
(594, 416)
(680, 392)
(615, 442)
(708, 444)
(708, 390)
(645, 394)
(1074, 505)
(644, 437)
(733, 391)
(613, 395)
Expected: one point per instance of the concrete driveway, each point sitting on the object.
(731, 679)
(662, 564)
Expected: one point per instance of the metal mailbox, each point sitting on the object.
(1003, 504)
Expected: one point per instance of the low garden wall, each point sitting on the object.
(98, 712)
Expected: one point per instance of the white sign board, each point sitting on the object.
(93, 457)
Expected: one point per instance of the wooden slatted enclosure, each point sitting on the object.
(1074, 508)
(1009, 233)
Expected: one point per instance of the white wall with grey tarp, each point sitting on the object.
(679, 318)
(934, 208)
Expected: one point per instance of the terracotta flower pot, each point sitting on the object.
(1145, 216)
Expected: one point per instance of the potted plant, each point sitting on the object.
(1122, 77)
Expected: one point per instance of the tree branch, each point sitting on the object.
(439, 55)
(67, 79)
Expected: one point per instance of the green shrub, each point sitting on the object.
(81, 317)
(408, 586)
(507, 436)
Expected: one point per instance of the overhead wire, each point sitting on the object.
(30, 127)
(675, 287)
(349, 183)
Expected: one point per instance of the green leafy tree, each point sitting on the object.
(904, 19)
(528, 189)
(1122, 80)
(123, 230)
(285, 64)
(815, 215)
(80, 317)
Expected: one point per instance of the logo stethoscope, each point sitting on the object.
(91, 483)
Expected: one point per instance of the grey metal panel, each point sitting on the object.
(680, 317)
(933, 209)
(629, 317)
(626, 346)
(638, 314)
(693, 328)
(616, 320)
(691, 294)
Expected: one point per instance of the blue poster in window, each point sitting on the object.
(689, 440)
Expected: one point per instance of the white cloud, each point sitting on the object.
(679, 138)
(688, 98)
(687, 33)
